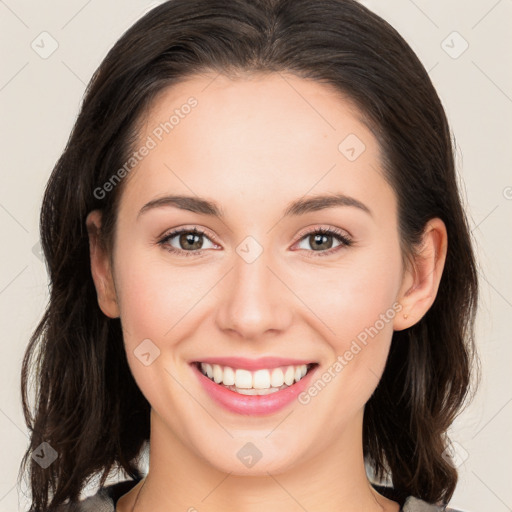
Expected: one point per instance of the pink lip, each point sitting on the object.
(244, 363)
(253, 404)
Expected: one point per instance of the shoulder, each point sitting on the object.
(415, 505)
(411, 504)
(100, 502)
(104, 500)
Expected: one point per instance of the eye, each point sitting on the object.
(320, 239)
(188, 242)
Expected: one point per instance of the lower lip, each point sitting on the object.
(253, 404)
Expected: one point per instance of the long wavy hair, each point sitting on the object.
(87, 406)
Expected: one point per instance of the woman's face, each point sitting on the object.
(262, 285)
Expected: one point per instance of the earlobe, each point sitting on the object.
(422, 278)
(101, 268)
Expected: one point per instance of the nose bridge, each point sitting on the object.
(255, 300)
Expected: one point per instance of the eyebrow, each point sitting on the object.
(299, 207)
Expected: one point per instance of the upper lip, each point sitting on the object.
(254, 364)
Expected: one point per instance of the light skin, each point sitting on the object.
(253, 145)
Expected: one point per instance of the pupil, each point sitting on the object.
(319, 241)
(188, 238)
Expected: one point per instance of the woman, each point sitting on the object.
(260, 265)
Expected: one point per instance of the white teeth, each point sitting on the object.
(228, 378)
(243, 378)
(217, 373)
(277, 379)
(207, 368)
(259, 382)
(289, 376)
(253, 391)
(261, 379)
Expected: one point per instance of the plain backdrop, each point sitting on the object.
(50, 50)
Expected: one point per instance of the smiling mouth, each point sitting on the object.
(258, 382)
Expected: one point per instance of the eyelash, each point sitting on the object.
(344, 239)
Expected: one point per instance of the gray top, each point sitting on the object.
(106, 498)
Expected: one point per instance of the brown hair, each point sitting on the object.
(88, 406)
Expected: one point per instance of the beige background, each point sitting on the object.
(40, 97)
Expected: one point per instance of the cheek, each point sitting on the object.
(353, 296)
(156, 302)
(355, 306)
(154, 295)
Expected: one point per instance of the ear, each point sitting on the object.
(101, 267)
(422, 277)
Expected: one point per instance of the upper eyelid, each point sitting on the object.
(199, 231)
(331, 229)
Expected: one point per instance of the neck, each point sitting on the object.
(333, 478)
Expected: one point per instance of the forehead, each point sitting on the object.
(253, 138)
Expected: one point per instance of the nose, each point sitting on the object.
(255, 299)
